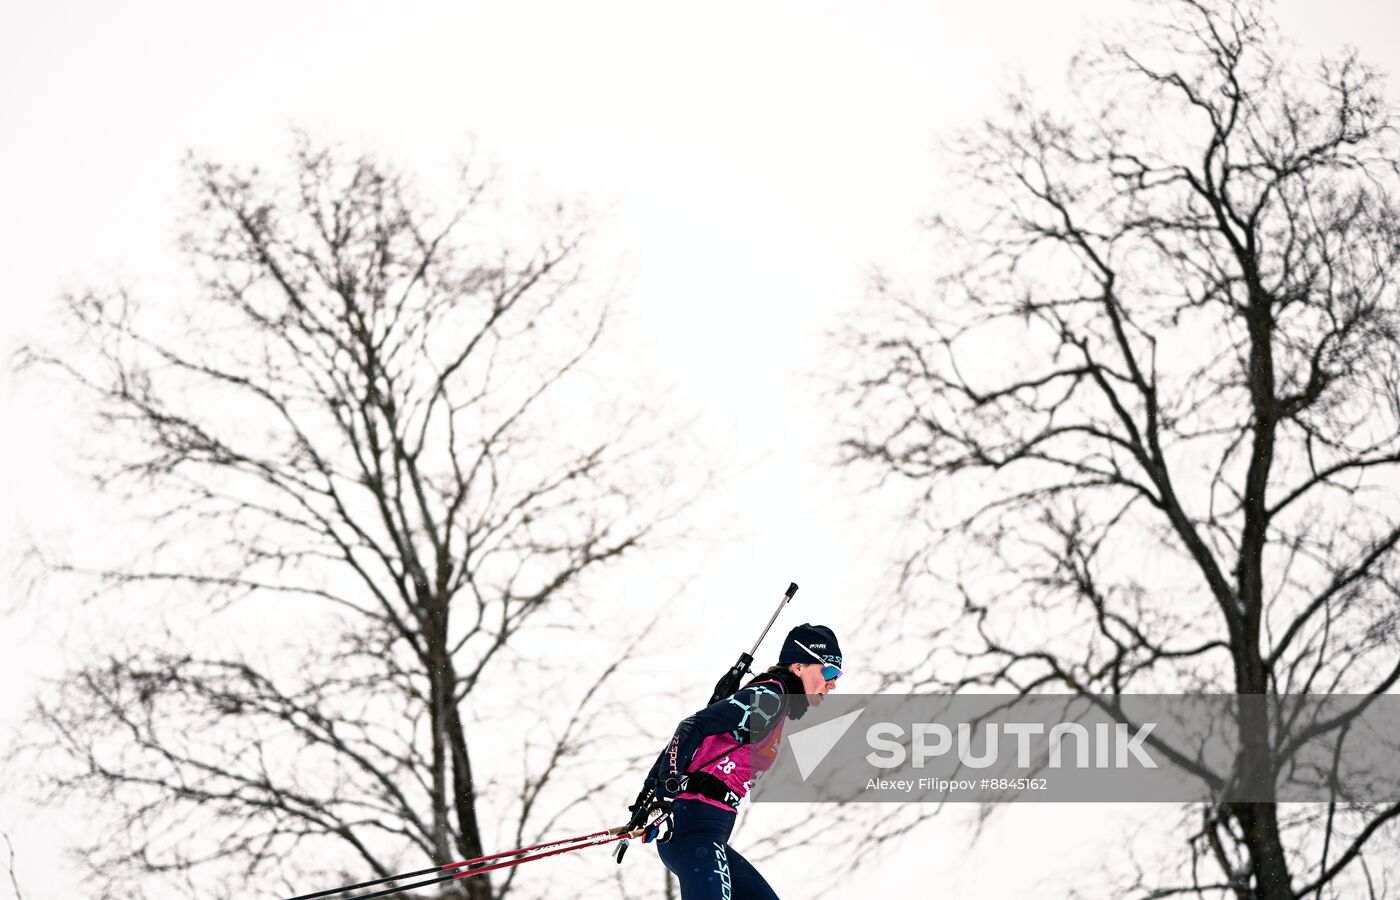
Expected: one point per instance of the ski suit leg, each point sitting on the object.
(748, 884)
(700, 856)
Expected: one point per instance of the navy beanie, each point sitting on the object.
(817, 638)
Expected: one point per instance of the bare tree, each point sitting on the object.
(1152, 411)
(372, 416)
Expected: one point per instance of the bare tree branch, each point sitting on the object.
(14, 879)
(1148, 412)
(360, 413)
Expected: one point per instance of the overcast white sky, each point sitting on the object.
(747, 162)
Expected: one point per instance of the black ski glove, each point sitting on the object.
(651, 798)
(640, 807)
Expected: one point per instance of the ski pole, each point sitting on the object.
(730, 682)
(457, 865)
(514, 862)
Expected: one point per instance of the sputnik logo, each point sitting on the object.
(811, 745)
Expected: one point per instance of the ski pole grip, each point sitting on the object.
(792, 589)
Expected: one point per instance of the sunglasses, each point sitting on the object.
(829, 672)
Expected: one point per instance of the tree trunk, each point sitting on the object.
(1266, 852)
(468, 828)
(1258, 821)
(454, 790)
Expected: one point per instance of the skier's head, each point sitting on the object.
(811, 653)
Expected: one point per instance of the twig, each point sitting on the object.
(19, 895)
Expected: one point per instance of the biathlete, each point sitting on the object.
(709, 764)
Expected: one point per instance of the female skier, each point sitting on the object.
(712, 759)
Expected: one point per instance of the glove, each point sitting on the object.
(647, 801)
(651, 799)
(641, 807)
(660, 828)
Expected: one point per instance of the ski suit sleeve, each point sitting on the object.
(750, 714)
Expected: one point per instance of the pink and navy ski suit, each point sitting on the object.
(708, 767)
